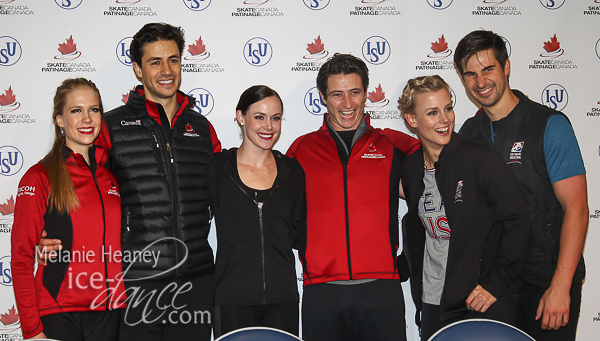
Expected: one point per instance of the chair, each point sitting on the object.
(480, 330)
(258, 334)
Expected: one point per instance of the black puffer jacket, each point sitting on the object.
(255, 263)
(164, 189)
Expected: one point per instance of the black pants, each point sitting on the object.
(505, 309)
(529, 300)
(83, 326)
(168, 310)
(368, 311)
(282, 316)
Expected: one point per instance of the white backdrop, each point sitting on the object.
(554, 47)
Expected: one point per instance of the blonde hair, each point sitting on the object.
(62, 196)
(416, 86)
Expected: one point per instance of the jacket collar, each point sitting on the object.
(138, 100)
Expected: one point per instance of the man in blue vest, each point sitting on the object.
(541, 150)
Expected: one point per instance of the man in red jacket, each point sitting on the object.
(352, 285)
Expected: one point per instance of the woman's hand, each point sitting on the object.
(480, 299)
(47, 249)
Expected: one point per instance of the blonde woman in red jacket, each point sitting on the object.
(73, 197)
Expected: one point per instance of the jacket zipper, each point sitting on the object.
(259, 205)
(103, 240)
(347, 220)
(174, 200)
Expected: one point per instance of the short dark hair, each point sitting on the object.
(343, 64)
(475, 42)
(253, 94)
(151, 33)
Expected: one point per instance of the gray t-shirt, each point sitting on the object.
(437, 239)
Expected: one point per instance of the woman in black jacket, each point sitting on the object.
(466, 230)
(259, 205)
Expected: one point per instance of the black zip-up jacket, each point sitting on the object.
(163, 179)
(526, 125)
(255, 264)
(486, 214)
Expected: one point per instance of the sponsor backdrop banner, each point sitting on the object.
(554, 47)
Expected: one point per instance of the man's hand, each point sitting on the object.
(554, 308)
(480, 299)
(47, 249)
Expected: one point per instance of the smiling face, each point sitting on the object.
(261, 125)
(81, 119)
(485, 80)
(160, 71)
(345, 101)
(433, 119)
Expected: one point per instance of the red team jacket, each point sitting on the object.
(91, 281)
(352, 209)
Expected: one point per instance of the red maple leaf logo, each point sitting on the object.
(440, 45)
(189, 129)
(197, 48)
(377, 95)
(8, 207)
(316, 47)
(69, 47)
(8, 97)
(126, 96)
(552, 45)
(11, 317)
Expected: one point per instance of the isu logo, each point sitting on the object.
(376, 50)
(10, 51)
(258, 51)
(316, 5)
(197, 5)
(122, 51)
(204, 100)
(313, 103)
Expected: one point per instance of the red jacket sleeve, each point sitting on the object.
(215, 140)
(30, 207)
(400, 140)
(291, 152)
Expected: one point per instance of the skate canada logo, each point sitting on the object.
(255, 8)
(310, 61)
(190, 131)
(195, 61)
(494, 8)
(63, 61)
(197, 5)
(515, 152)
(8, 107)
(439, 4)
(376, 50)
(10, 51)
(7, 215)
(131, 123)
(594, 111)
(68, 4)
(11, 325)
(551, 60)
(316, 5)
(126, 8)
(374, 8)
(555, 96)
(11, 160)
(552, 4)
(372, 153)
(376, 103)
(6, 9)
(125, 99)
(204, 101)
(593, 10)
(122, 51)
(258, 51)
(313, 103)
(439, 57)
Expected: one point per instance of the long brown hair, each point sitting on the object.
(62, 196)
